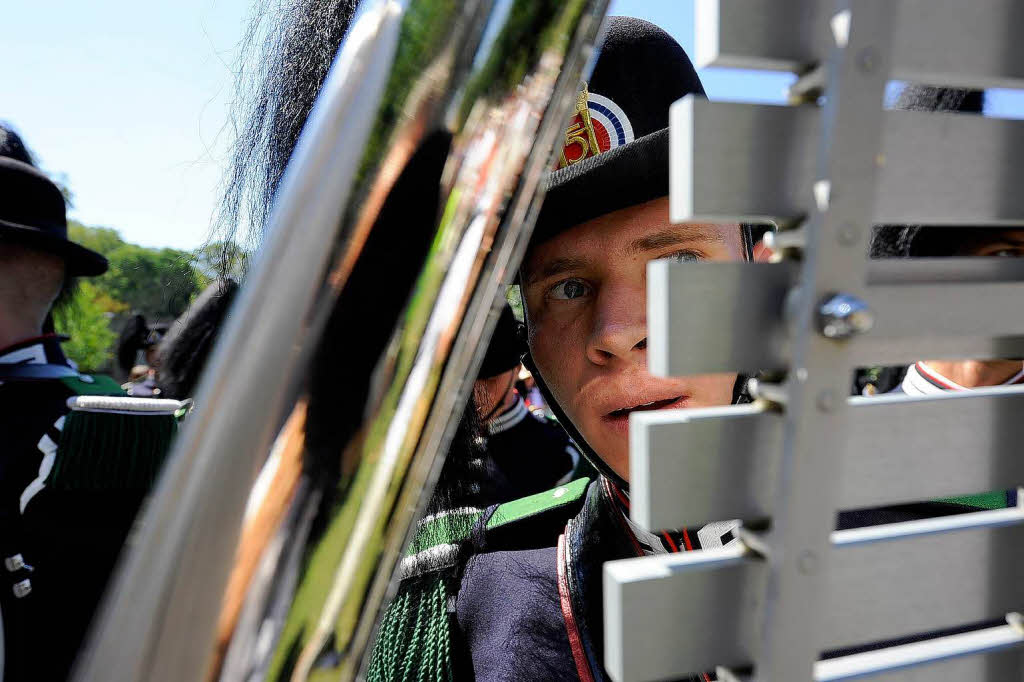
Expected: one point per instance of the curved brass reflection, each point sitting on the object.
(285, 580)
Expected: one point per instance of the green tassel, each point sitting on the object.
(111, 451)
(414, 639)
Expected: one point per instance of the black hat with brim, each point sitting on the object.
(640, 72)
(32, 214)
(506, 349)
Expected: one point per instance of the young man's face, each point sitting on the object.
(585, 292)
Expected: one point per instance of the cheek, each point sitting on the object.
(557, 346)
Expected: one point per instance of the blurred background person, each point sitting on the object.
(70, 482)
(529, 454)
(527, 387)
(183, 352)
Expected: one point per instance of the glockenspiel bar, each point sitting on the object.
(993, 654)
(922, 315)
(940, 42)
(894, 581)
(690, 467)
(737, 162)
(717, 592)
(717, 317)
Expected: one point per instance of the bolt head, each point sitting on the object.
(841, 316)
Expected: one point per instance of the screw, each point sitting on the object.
(848, 234)
(867, 59)
(841, 316)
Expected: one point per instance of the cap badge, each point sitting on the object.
(598, 124)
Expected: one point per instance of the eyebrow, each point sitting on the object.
(675, 235)
(555, 267)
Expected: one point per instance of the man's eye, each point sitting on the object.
(569, 289)
(683, 257)
(1006, 253)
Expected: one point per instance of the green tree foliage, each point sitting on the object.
(83, 319)
(158, 283)
(103, 240)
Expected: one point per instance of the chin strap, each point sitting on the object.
(567, 424)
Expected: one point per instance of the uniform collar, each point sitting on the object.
(509, 418)
(923, 380)
(39, 350)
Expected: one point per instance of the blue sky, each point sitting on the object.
(129, 101)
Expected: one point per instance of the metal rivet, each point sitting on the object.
(848, 234)
(807, 562)
(867, 59)
(14, 563)
(826, 401)
(22, 588)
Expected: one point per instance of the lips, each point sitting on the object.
(618, 420)
(652, 405)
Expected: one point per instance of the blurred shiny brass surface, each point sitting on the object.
(252, 561)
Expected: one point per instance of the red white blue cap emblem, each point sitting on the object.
(598, 125)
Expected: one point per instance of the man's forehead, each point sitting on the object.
(576, 247)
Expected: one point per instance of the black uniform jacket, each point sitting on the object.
(529, 455)
(58, 547)
(528, 604)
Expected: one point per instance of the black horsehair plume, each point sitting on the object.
(286, 53)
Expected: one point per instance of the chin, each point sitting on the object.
(614, 453)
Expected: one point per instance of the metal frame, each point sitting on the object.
(766, 607)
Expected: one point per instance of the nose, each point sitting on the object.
(619, 330)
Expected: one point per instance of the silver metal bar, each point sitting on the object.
(884, 582)
(989, 655)
(766, 153)
(687, 330)
(756, 162)
(922, 308)
(646, 600)
(902, 449)
(694, 466)
(890, 272)
(690, 467)
(891, 581)
(166, 602)
(901, 351)
(943, 42)
(852, 129)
